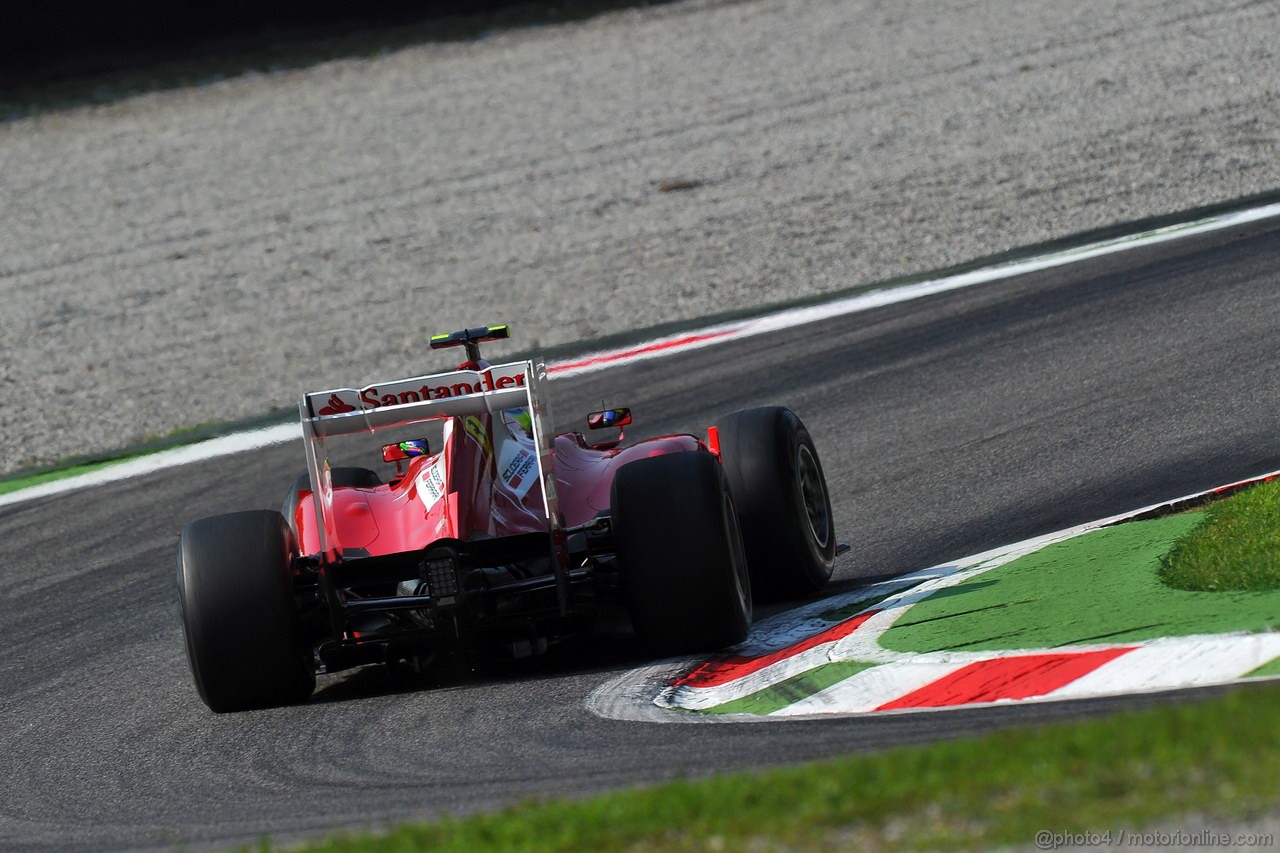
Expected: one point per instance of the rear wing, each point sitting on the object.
(346, 411)
(384, 405)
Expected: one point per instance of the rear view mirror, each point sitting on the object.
(403, 450)
(609, 418)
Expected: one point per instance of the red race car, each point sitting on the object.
(487, 532)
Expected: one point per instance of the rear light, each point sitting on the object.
(441, 575)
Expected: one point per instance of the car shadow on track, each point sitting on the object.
(601, 653)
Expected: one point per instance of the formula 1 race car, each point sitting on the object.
(486, 532)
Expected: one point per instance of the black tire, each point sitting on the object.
(235, 588)
(680, 552)
(361, 478)
(783, 505)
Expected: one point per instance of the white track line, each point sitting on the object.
(792, 317)
(203, 451)
(709, 336)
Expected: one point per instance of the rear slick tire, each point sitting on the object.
(783, 505)
(680, 551)
(235, 589)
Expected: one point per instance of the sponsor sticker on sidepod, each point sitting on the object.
(431, 483)
(518, 466)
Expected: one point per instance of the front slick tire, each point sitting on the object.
(681, 554)
(777, 482)
(238, 614)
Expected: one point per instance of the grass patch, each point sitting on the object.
(1236, 547)
(1099, 587)
(1128, 771)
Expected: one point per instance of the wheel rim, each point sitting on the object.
(813, 494)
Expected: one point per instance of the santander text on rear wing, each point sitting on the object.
(402, 402)
(345, 411)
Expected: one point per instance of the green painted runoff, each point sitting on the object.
(1099, 587)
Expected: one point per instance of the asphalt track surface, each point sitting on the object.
(947, 426)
